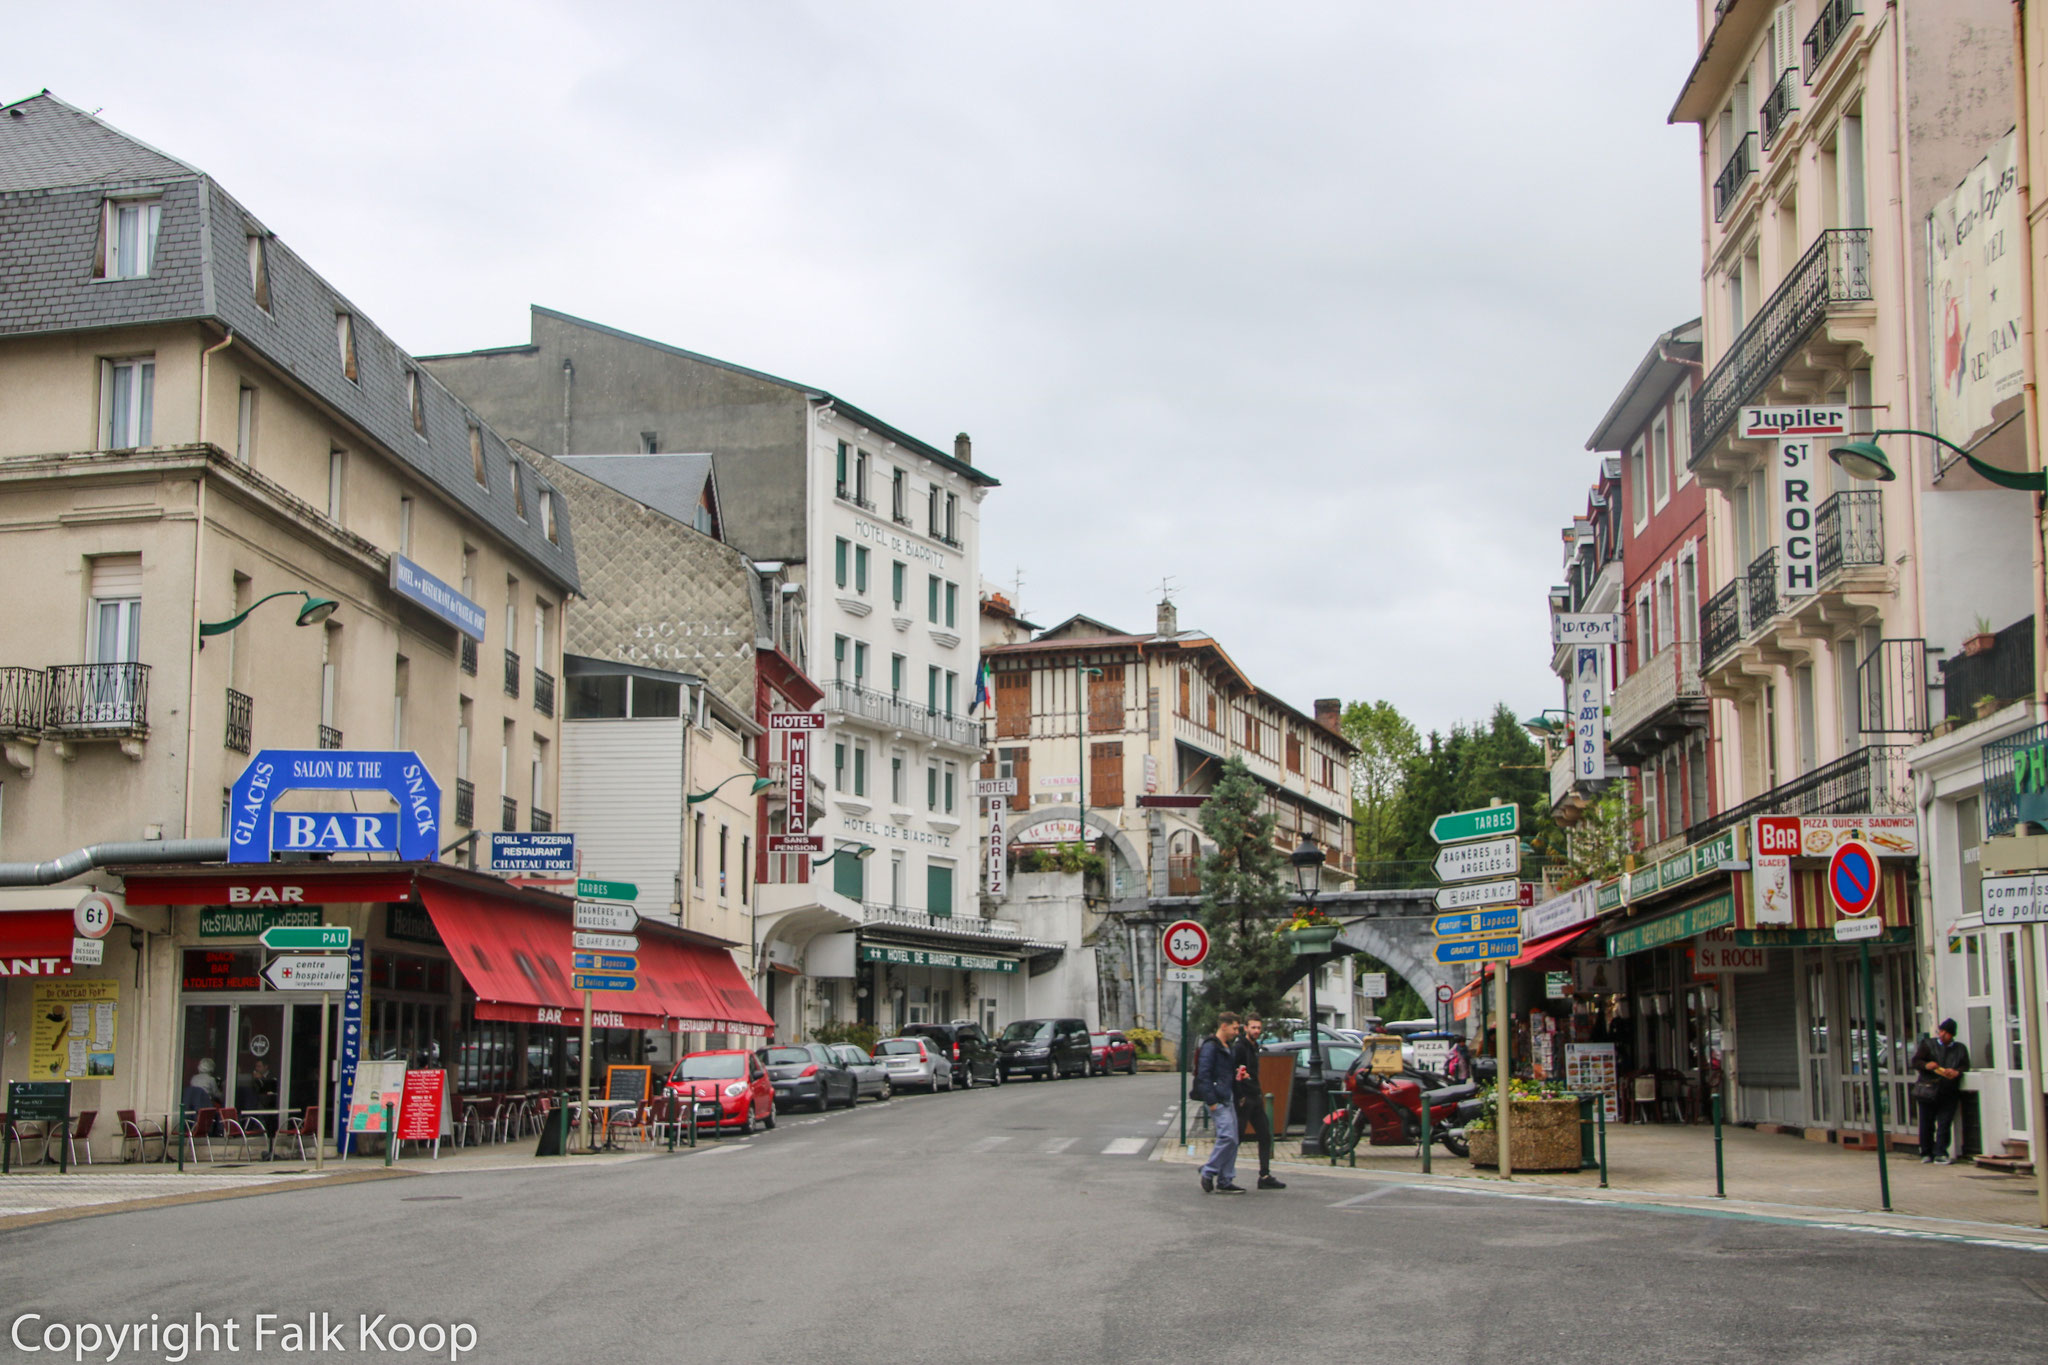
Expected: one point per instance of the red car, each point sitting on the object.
(1109, 1052)
(731, 1089)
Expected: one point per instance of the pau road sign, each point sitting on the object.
(1481, 858)
(308, 972)
(1483, 823)
(1186, 943)
(1479, 949)
(1505, 920)
(307, 937)
(1471, 894)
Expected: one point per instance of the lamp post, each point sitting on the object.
(761, 784)
(1866, 460)
(1082, 672)
(1308, 876)
(316, 610)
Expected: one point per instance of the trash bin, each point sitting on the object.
(1589, 1150)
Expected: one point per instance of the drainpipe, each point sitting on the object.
(2029, 395)
(568, 387)
(198, 583)
(100, 855)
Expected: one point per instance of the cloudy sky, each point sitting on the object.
(1310, 307)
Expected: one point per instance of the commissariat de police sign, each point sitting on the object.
(400, 774)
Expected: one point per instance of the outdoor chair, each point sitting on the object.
(299, 1127)
(199, 1127)
(234, 1125)
(140, 1131)
(19, 1134)
(68, 1139)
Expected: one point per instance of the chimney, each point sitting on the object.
(963, 448)
(1169, 619)
(1329, 714)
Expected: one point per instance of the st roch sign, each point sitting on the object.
(400, 774)
(1794, 434)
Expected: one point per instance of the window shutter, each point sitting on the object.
(1013, 705)
(1106, 700)
(849, 877)
(1106, 774)
(1021, 767)
(938, 888)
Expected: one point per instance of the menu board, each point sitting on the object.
(627, 1082)
(423, 1107)
(1589, 1069)
(377, 1084)
(71, 1033)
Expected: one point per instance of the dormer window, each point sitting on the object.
(547, 516)
(476, 455)
(128, 238)
(259, 269)
(518, 491)
(416, 401)
(345, 338)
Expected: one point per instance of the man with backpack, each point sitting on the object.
(1940, 1062)
(1215, 1085)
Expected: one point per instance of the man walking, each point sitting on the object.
(1251, 1101)
(1214, 1086)
(1940, 1062)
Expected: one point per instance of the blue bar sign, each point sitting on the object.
(415, 584)
(586, 981)
(323, 831)
(604, 962)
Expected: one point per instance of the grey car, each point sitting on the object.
(870, 1076)
(915, 1064)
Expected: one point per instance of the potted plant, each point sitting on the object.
(1546, 1127)
(1983, 641)
(1309, 932)
(1985, 705)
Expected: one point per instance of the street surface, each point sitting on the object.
(1019, 1224)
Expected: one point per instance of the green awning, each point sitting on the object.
(1717, 913)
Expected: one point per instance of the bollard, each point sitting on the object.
(1720, 1173)
(390, 1135)
(181, 1137)
(1601, 1110)
(693, 1121)
(1425, 1133)
(675, 1121)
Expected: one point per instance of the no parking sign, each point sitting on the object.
(1853, 885)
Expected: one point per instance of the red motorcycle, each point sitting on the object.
(1387, 1111)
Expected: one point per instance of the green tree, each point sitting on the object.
(1386, 743)
(1468, 768)
(1596, 847)
(1244, 896)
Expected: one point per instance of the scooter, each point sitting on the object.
(1387, 1110)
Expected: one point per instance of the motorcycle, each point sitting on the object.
(1387, 1111)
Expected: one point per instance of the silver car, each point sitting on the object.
(870, 1075)
(915, 1063)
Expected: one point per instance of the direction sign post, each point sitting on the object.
(1184, 945)
(307, 972)
(1480, 858)
(1483, 843)
(1854, 884)
(307, 938)
(1485, 822)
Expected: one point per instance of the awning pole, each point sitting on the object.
(583, 1112)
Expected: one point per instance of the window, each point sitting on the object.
(931, 690)
(245, 424)
(650, 443)
(860, 663)
(840, 551)
(746, 868)
(1681, 437)
(839, 766)
(345, 340)
(1736, 317)
(952, 605)
(1805, 716)
(401, 683)
(128, 238)
(476, 455)
(724, 845)
(938, 895)
(697, 851)
(952, 691)
(898, 493)
(1106, 774)
(952, 783)
(931, 509)
(127, 402)
(839, 658)
(518, 490)
(116, 622)
(1639, 487)
(1646, 637)
(860, 768)
(543, 615)
(405, 527)
(896, 675)
(896, 577)
(896, 779)
(839, 476)
(860, 569)
(931, 786)
(952, 518)
(1013, 704)
(259, 269)
(860, 477)
(932, 598)
(1660, 460)
(337, 462)
(330, 653)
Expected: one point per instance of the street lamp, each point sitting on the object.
(1866, 460)
(761, 784)
(316, 610)
(1308, 875)
(1081, 673)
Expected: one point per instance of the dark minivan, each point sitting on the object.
(1051, 1048)
(972, 1054)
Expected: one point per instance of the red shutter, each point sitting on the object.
(1106, 774)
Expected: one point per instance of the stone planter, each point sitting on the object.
(1308, 942)
(1546, 1137)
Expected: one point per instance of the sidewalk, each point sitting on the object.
(1767, 1173)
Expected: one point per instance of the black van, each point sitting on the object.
(1051, 1048)
(972, 1054)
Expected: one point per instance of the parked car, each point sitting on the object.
(1111, 1051)
(918, 1063)
(969, 1050)
(869, 1075)
(730, 1088)
(808, 1074)
(1050, 1048)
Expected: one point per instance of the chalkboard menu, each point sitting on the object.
(627, 1082)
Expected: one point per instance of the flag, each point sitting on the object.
(981, 688)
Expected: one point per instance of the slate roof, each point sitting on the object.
(671, 484)
(57, 164)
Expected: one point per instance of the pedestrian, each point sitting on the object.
(1941, 1062)
(1251, 1101)
(1215, 1087)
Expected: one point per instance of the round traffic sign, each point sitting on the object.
(1853, 879)
(1186, 943)
(1443, 995)
(93, 916)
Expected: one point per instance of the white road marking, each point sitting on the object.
(988, 1144)
(1356, 1199)
(1125, 1146)
(1058, 1145)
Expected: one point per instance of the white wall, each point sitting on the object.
(622, 798)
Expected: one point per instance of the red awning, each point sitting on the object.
(35, 943)
(700, 988)
(1544, 947)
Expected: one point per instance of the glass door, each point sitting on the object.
(302, 1067)
(259, 1053)
(1813, 981)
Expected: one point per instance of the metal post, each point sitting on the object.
(583, 1109)
(181, 1134)
(1425, 1130)
(1183, 1051)
(1600, 1110)
(390, 1134)
(320, 1132)
(2030, 1039)
(1317, 1101)
(1720, 1171)
(63, 1137)
(1504, 1070)
(1884, 1175)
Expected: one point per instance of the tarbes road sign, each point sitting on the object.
(1186, 943)
(1470, 894)
(617, 919)
(308, 972)
(1459, 826)
(1484, 858)
(1479, 949)
(607, 891)
(308, 937)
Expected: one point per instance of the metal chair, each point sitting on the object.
(234, 1125)
(139, 1131)
(199, 1126)
(21, 1133)
(67, 1139)
(299, 1127)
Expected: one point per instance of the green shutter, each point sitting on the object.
(895, 675)
(932, 609)
(860, 568)
(839, 559)
(952, 604)
(860, 770)
(849, 877)
(938, 889)
(896, 582)
(842, 469)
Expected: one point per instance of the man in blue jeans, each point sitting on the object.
(1216, 1073)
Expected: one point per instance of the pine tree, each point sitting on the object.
(1244, 900)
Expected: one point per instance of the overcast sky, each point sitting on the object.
(1309, 307)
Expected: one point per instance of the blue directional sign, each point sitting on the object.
(1479, 949)
(586, 981)
(1503, 919)
(415, 584)
(604, 962)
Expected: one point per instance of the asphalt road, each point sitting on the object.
(1018, 1224)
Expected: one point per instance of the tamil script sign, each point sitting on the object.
(1974, 294)
(1603, 628)
(1589, 707)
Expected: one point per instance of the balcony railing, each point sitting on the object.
(1892, 679)
(1659, 686)
(23, 694)
(241, 716)
(1761, 589)
(2002, 780)
(1835, 269)
(465, 803)
(330, 738)
(1721, 621)
(1779, 106)
(875, 914)
(468, 656)
(1869, 781)
(1848, 530)
(510, 813)
(544, 692)
(98, 699)
(540, 821)
(511, 674)
(2004, 673)
(867, 704)
(1735, 173)
(1834, 21)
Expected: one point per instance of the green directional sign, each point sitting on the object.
(305, 937)
(1483, 823)
(606, 891)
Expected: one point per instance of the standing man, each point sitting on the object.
(1251, 1101)
(1941, 1062)
(1215, 1086)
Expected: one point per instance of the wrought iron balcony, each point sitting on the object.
(1834, 270)
(866, 704)
(2002, 780)
(540, 821)
(23, 700)
(1835, 18)
(98, 699)
(241, 716)
(1779, 106)
(468, 656)
(967, 926)
(1848, 531)
(510, 814)
(1872, 780)
(511, 674)
(1735, 173)
(330, 738)
(1654, 702)
(1721, 622)
(543, 692)
(2005, 672)
(465, 803)
(1761, 590)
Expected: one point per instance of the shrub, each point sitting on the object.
(1146, 1040)
(862, 1036)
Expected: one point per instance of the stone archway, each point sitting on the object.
(1397, 928)
(1098, 827)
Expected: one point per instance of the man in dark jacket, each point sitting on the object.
(1251, 1101)
(1215, 1085)
(1939, 1061)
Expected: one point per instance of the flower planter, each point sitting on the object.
(1981, 643)
(1984, 706)
(1307, 942)
(1545, 1134)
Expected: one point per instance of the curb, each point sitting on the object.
(165, 1201)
